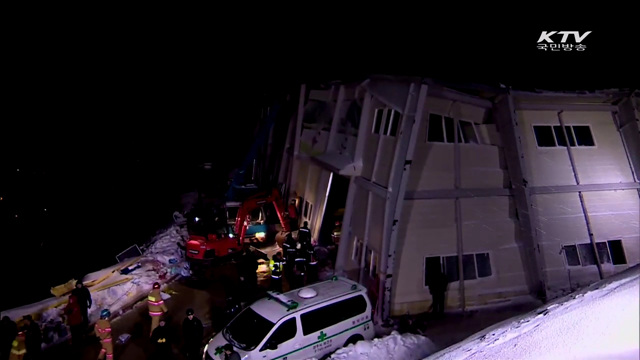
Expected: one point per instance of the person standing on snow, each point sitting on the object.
(84, 300)
(75, 320)
(33, 338)
(157, 308)
(103, 330)
(7, 335)
(18, 347)
(161, 339)
(438, 287)
(192, 332)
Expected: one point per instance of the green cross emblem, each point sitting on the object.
(322, 336)
(218, 350)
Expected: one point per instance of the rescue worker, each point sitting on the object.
(73, 312)
(84, 300)
(18, 347)
(247, 267)
(157, 308)
(103, 330)
(276, 264)
(8, 334)
(33, 339)
(192, 332)
(161, 339)
(304, 234)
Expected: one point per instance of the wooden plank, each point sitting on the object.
(112, 272)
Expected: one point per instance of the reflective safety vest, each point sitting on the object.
(18, 348)
(156, 304)
(103, 330)
(276, 268)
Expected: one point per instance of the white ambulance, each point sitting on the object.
(300, 324)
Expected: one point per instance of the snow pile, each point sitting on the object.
(393, 346)
(598, 322)
(161, 260)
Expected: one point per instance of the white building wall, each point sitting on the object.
(604, 163)
(489, 225)
(386, 152)
(607, 161)
(427, 228)
(547, 166)
(613, 215)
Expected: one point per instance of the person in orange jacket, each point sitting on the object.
(103, 330)
(18, 347)
(157, 308)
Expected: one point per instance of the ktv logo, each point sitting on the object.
(546, 42)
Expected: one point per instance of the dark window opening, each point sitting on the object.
(483, 264)
(448, 129)
(435, 130)
(561, 138)
(467, 133)
(377, 121)
(395, 122)
(544, 136)
(617, 252)
(583, 135)
(571, 254)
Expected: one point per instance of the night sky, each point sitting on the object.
(105, 130)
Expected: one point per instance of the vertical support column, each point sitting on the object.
(336, 119)
(293, 177)
(287, 158)
(506, 118)
(395, 195)
(458, 213)
(581, 196)
(365, 126)
(365, 241)
(346, 237)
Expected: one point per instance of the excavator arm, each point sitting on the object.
(257, 201)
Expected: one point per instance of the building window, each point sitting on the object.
(373, 267)
(554, 136)
(441, 129)
(357, 249)
(609, 252)
(386, 122)
(308, 210)
(474, 266)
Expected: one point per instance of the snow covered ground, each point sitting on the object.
(161, 261)
(598, 322)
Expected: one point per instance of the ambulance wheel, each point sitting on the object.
(353, 340)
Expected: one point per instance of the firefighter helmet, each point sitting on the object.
(105, 314)
(156, 285)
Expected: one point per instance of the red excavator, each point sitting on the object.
(255, 202)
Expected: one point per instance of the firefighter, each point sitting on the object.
(289, 247)
(103, 330)
(276, 264)
(18, 347)
(157, 308)
(304, 234)
(33, 339)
